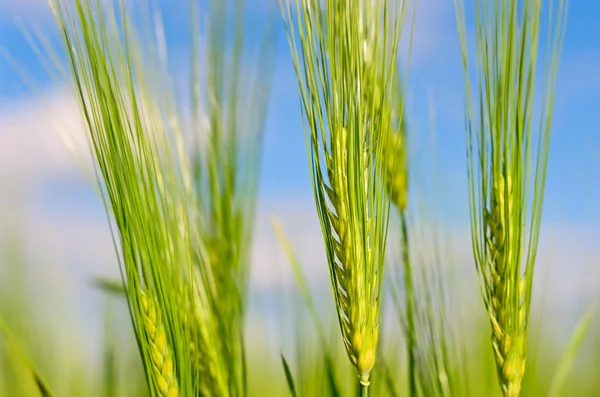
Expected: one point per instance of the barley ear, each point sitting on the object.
(396, 169)
(506, 187)
(349, 48)
(160, 351)
(508, 331)
(396, 152)
(134, 131)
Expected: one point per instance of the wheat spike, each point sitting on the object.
(507, 163)
(357, 313)
(160, 353)
(345, 75)
(395, 147)
(508, 331)
(396, 169)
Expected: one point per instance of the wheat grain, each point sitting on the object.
(165, 380)
(357, 315)
(508, 339)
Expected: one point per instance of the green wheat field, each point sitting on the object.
(412, 261)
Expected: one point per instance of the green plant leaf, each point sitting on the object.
(298, 275)
(566, 362)
(21, 356)
(308, 301)
(109, 286)
(288, 376)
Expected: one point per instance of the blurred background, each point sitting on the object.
(54, 236)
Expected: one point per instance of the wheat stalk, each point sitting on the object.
(349, 48)
(396, 169)
(506, 187)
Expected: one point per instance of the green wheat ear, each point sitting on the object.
(396, 169)
(506, 187)
(349, 47)
(233, 97)
(160, 350)
(134, 129)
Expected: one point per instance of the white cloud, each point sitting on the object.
(33, 153)
(31, 143)
(21, 8)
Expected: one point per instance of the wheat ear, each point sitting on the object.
(506, 187)
(160, 352)
(395, 152)
(396, 170)
(508, 330)
(134, 127)
(347, 46)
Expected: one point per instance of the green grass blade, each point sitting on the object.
(332, 385)
(109, 286)
(110, 370)
(390, 382)
(298, 275)
(309, 303)
(566, 362)
(288, 377)
(41, 385)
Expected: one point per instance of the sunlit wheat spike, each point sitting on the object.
(508, 331)
(160, 352)
(507, 162)
(345, 69)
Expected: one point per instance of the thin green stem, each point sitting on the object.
(410, 304)
(364, 390)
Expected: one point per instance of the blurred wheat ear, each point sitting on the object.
(419, 275)
(396, 168)
(507, 162)
(135, 132)
(232, 97)
(183, 218)
(345, 68)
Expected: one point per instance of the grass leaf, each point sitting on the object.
(309, 302)
(288, 376)
(21, 356)
(579, 334)
(113, 287)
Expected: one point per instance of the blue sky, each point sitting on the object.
(436, 73)
(435, 77)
